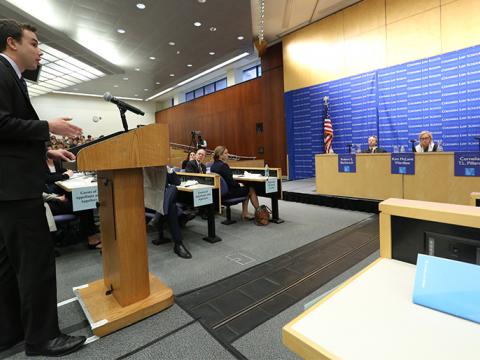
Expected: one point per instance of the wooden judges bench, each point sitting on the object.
(434, 179)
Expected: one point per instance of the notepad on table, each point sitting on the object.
(449, 286)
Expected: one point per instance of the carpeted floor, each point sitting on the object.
(173, 334)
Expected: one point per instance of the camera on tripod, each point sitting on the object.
(197, 141)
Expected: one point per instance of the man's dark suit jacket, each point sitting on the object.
(22, 140)
(192, 167)
(376, 151)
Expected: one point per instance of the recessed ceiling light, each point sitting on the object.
(240, 37)
(115, 85)
(158, 83)
(121, 31)
(137, 69)
(145, 89)
(189, 65)
(152, 57)
(171, 43)
(211, 53)
(213, 28)
(135, 95)
(125, 78)
(202, 1)
(197, 23)
(178, 52)
(172, 75)
(141, 6)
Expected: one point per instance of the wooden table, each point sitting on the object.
(257, 181)
(372, 316)
(210, 209)
(434, 179)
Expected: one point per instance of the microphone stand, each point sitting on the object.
(413, 145)
(124, 118)
(349, 146)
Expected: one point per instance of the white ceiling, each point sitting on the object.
(87, 30)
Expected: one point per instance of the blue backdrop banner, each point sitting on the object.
(440, 94)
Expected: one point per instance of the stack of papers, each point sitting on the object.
(189, 183)
(250, 175)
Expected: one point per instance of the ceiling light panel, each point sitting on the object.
(60, 71)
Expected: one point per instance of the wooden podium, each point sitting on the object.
(127, 293)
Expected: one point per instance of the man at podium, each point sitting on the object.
(28, 294)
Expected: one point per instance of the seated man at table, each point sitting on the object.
(426, 143)
(170, 215)
(219, 166)
(373, 146)
(196, 165)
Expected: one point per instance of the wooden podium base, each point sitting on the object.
(104, 313)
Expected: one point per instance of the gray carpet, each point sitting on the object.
(268, 336)
(304, 186)
(211, 262)
(173, 334)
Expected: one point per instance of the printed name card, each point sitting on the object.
(271, 185)
(403, 163)
(202, 196)
(467, 163)
(85, 198)
(347, 163)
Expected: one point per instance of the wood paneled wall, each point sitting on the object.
(373, 34)
(229, 117)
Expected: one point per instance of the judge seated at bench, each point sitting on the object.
(196, 165)
(373, 146)
(426, 143)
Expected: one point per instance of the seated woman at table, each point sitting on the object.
(61, 204)
(219, 166)
(426, 143)
(55, 172)
(191, 156)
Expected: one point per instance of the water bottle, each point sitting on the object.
(395, 148)
(267, 171)
(440, 145)
(402, 149)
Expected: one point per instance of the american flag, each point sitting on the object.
(327, 128)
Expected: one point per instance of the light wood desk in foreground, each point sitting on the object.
(434, 179)
(372, 316)
(475, 199)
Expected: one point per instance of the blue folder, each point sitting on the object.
(449, 286)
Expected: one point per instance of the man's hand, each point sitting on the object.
(60, 154)
(61, 126)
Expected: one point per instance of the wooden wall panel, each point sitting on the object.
(229, 117)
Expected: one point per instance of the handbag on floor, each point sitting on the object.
(262, 215)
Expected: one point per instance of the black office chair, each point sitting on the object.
(229, 201)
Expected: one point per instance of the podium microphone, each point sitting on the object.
(122, 105)
(349, 146)
(413, 141)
